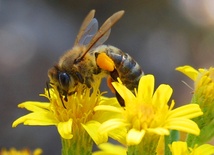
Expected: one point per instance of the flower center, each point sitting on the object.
(143, 117)
(79, 106)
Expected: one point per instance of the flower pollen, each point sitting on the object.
(145, 115)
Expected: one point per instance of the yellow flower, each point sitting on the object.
(76, 121)
(13, 151)
(203, 78)
(148, 112)
(204, 97)
(111, 149)
(181, 148)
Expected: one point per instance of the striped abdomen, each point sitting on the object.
(127, 69)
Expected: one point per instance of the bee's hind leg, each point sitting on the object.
(119, 98)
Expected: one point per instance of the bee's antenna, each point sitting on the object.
(187, 85)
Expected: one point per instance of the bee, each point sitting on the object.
(89, 59)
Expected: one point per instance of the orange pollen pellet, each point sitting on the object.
(104, 62)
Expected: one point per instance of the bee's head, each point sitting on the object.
(65, 82)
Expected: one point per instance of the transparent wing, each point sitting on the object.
(89, 32)
(102, 39)
(103, 33)
(85, 27)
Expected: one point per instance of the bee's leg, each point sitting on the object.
(88, 82)
(109, 81)
(119, 98)
(105, 62)
(61, 97)
(47, 87)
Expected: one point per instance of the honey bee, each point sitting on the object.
(90, 59)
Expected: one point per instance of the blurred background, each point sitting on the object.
(160, 35)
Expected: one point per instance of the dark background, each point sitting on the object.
(160, 35)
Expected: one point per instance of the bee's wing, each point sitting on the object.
(101, 40)
(87, 30)
(103, 33)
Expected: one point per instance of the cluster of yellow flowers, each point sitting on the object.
(24, 151)
(148, 124)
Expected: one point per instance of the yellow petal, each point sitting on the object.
(124, 92)
(134, 136)
(146, 87)
(182, 124)
(205, 149)
(186, 111)
(65, 129)
(111, 125)
(108, 108)
(109, 101)
(162, 96)
(102, 116)
(159, 131)
(34, 106)
(201, 70)
(189, 71)
(37, 151)
(119, 134)
(179, 148)
(92, 128)
(36, 118)
(110, 149)
(160, 150)
(107, 112)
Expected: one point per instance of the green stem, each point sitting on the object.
(147, 146)
(191, 140)
(80, 144)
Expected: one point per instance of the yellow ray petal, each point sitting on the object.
(92, 128)
(159, 131)
(108, 108)
(146, 87)
(205, 149)
(65, 129)
(124, 92)
(189, 71)
(109, 101)
(35, 106)
(179, 148)
(183, 124)
(119, 134)
(110, 149)
(162, 96)
(111, 125)
(37, 118)
(134, 136)
(186, 111)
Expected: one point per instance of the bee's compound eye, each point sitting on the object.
(64, 79)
